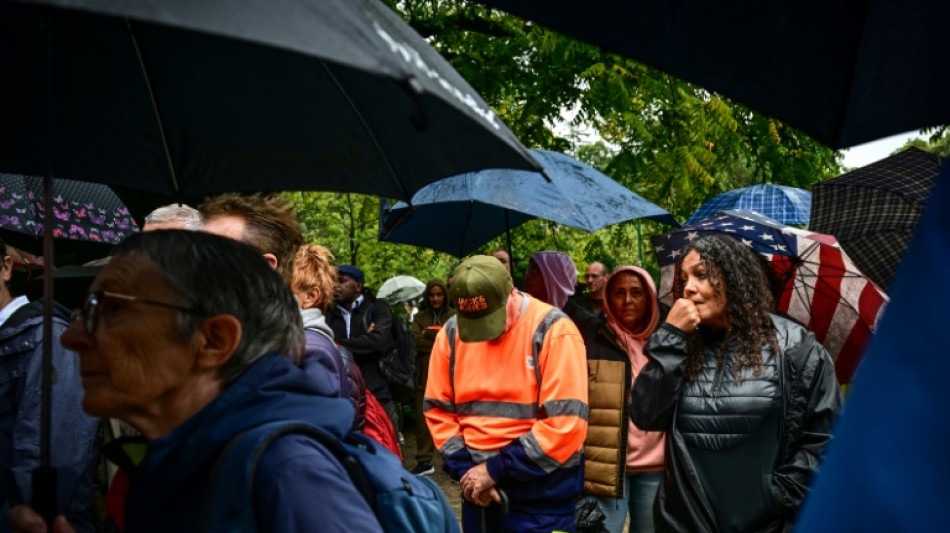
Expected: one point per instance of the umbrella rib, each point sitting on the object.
(392, 172)
(158, 114)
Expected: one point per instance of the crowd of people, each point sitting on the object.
(555, 409)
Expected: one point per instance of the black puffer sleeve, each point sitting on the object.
(813, 400)
(657, 389)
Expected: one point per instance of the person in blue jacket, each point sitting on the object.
(72, 441)
(192, 338)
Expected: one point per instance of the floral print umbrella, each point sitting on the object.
(83, 211)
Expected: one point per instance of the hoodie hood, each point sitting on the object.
(177, 467)
(652, 311)
(559, 273)
(424, 304)
(313, 319)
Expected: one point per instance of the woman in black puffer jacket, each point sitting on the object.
(747, 398)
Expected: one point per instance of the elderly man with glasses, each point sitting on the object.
(192, 338)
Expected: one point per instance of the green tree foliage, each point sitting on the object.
(348, 225)
(672, 142)
(937, 141)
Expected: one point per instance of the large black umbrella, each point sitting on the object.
(843, 72)
(873, 211)
(185, 98)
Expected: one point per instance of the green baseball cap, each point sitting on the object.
(480, 289)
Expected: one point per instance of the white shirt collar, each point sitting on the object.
(12, 307)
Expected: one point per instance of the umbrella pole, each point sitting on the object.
(43, 479)
(640, 242)
(43, 497)
(511, 256)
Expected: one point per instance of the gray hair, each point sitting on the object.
(188, 216)
(216, 275)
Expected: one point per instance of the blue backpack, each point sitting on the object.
(402, 502)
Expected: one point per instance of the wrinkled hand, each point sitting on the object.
(26, 520)
(683, 315)
(371, 327)
(485, 498)
(478, 486)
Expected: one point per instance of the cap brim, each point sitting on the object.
(484, 328)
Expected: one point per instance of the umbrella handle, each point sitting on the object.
(44, 493)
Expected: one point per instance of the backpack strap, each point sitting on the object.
(228, 501)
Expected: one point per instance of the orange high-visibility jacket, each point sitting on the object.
(518, 402)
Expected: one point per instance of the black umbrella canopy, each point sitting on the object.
(874, 210)
(843, 72)
(183, 98)
(186, 98)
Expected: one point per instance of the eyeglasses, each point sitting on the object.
(90, 308)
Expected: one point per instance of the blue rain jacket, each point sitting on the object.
(73, 439)
(298, 486)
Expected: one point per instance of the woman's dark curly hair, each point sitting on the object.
(739, 274)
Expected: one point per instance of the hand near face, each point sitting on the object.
(683, 315)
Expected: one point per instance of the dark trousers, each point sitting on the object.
(425, 448)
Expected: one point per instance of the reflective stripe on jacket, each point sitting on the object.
(518, 403)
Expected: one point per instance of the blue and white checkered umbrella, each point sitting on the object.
(787, 205)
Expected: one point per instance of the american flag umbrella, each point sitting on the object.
(873, 210)
(819, 286)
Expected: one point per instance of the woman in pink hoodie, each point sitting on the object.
(622, 464)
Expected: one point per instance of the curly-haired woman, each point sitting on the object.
(747, 397)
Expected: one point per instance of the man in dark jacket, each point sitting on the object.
(364, 326)
(592, 300)
(72, 442)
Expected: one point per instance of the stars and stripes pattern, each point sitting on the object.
(821, 287)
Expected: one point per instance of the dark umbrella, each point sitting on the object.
(184, 98)
(459, 214)
(873, 211)
(843, 72)
(82, 211)
(788, 205)
(187, 98)
(815, 281)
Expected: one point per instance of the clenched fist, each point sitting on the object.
(683, 315)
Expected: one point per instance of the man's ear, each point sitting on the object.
(6, 268)
(271, 260)
(218, 338)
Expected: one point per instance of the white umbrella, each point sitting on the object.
(401, 288)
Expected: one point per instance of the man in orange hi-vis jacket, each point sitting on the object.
(506, 403)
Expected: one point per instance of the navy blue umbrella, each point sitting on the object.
(457, 215)
(787, 205)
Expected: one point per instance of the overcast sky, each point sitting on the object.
(865, 154)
